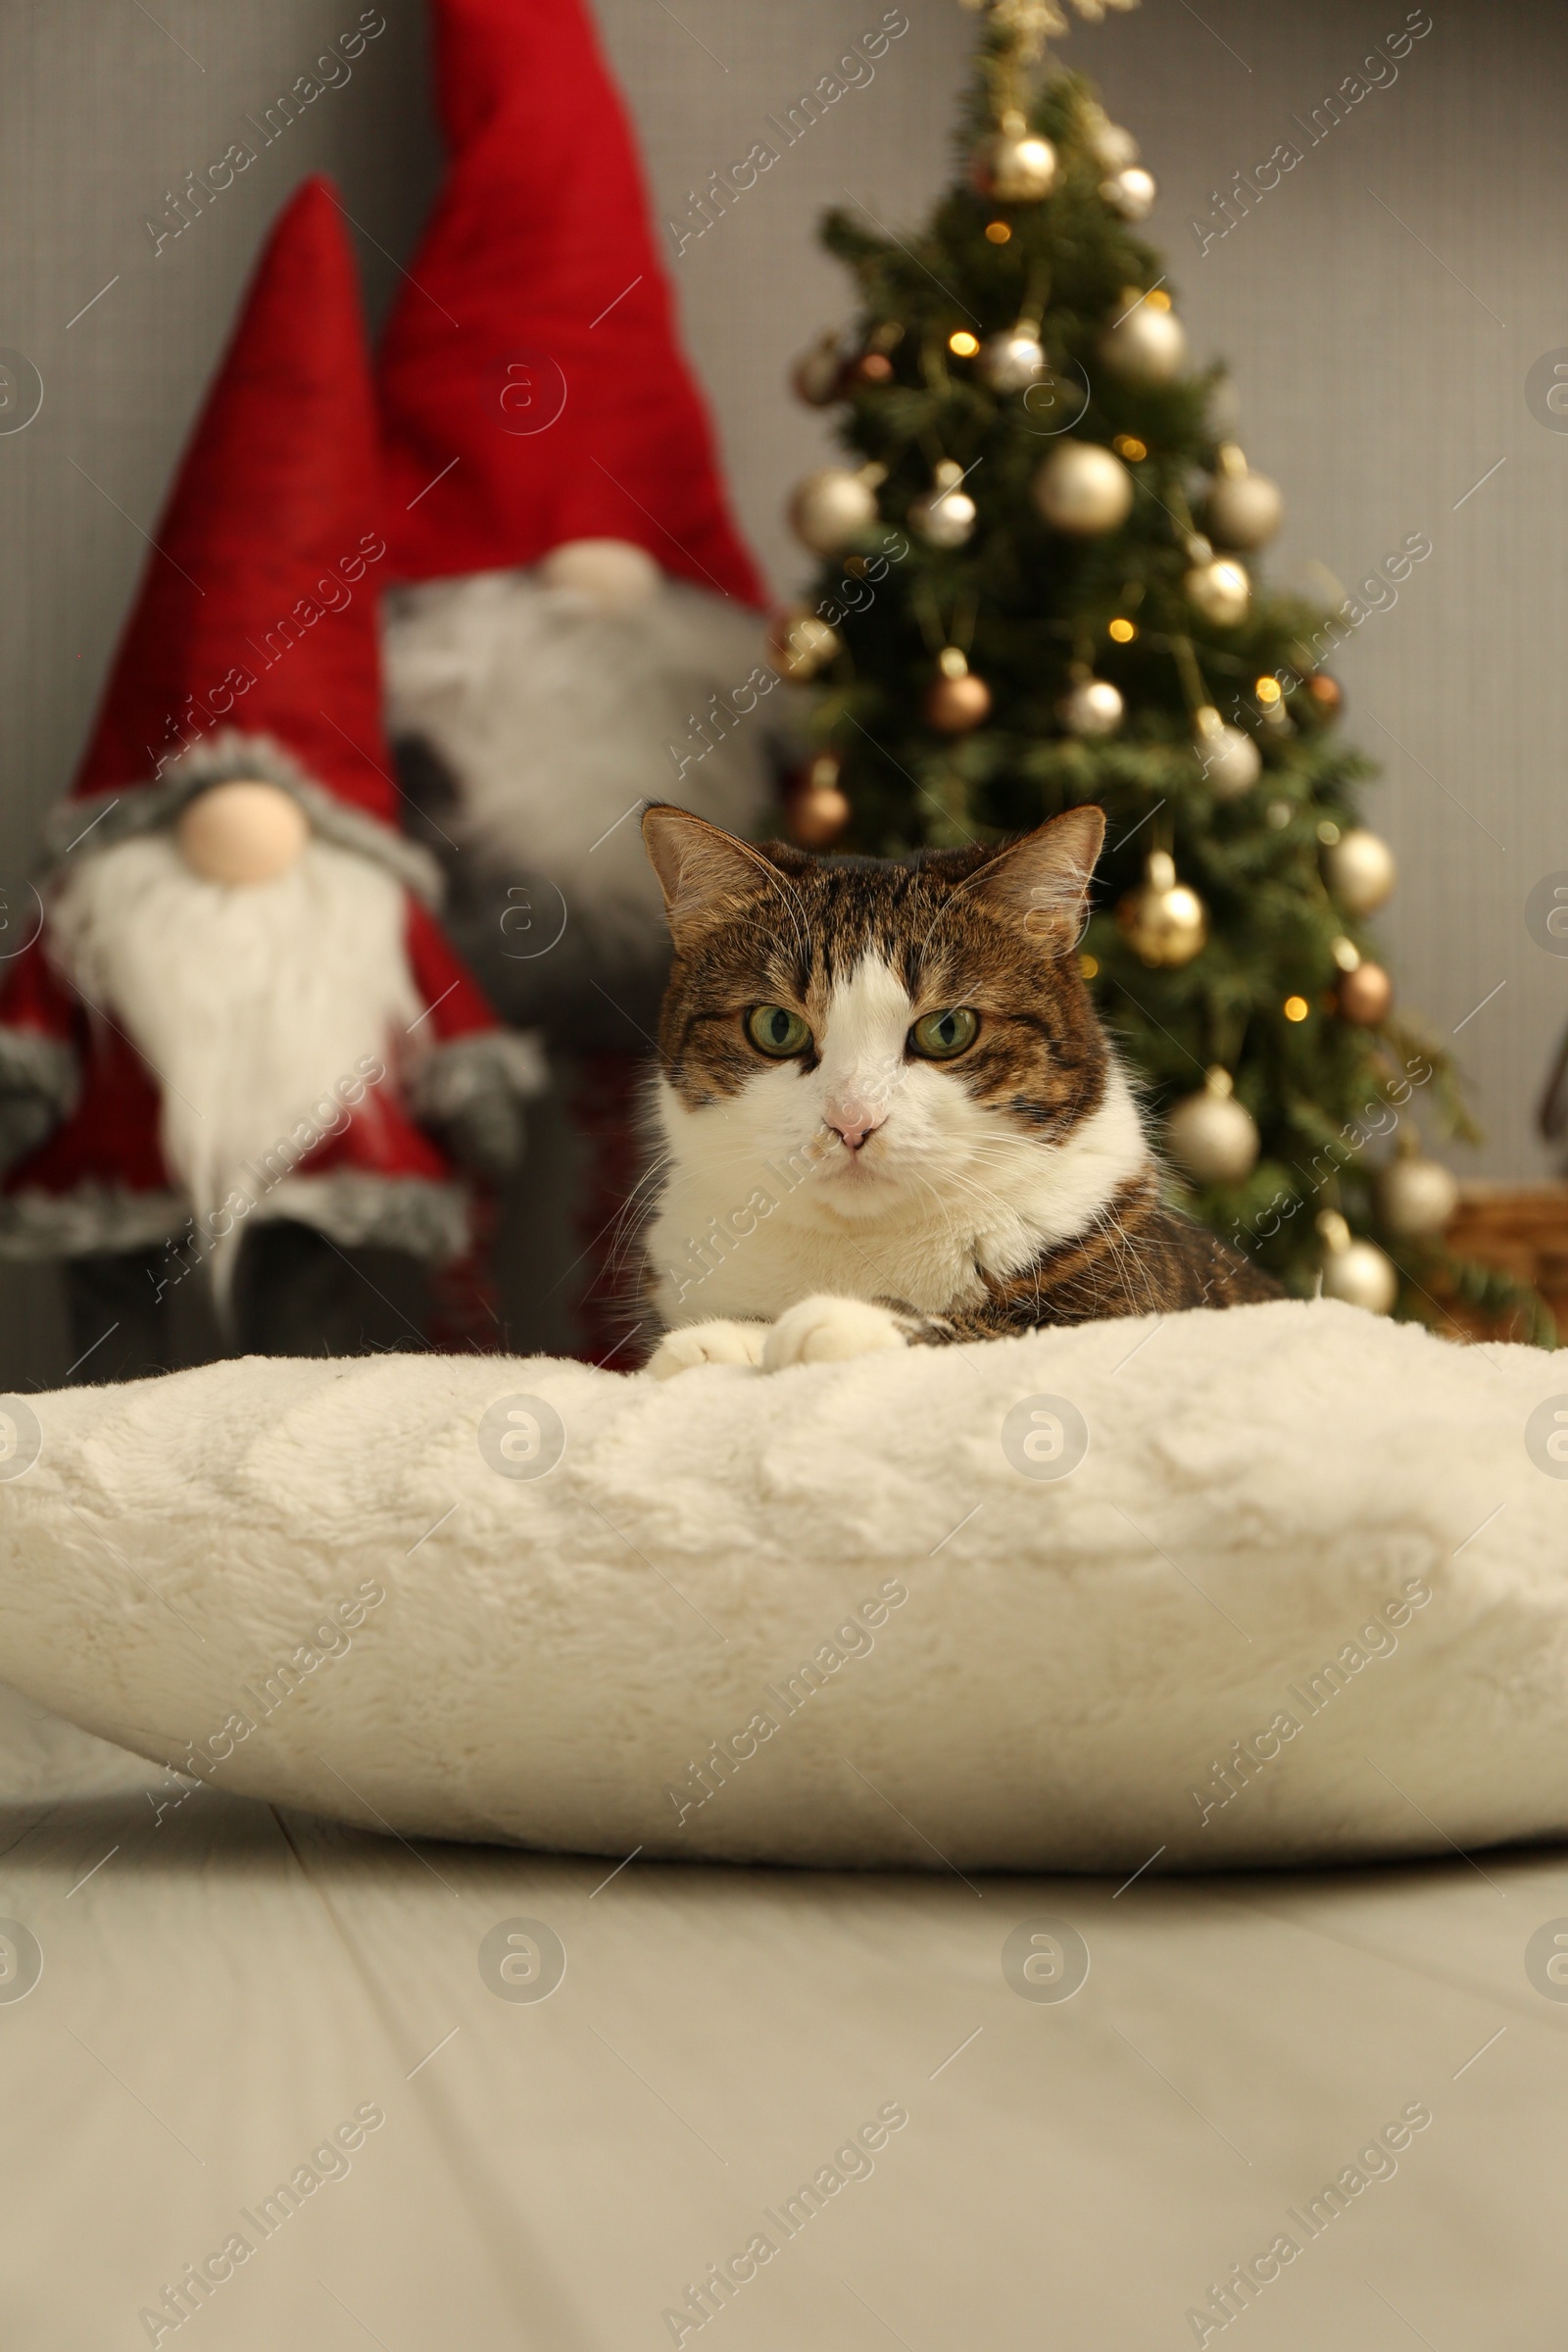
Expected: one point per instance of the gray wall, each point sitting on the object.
(1381, 310)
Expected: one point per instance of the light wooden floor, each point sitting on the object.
(230, 1983)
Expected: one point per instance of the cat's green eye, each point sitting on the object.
(942, 1034)
(773, 1030)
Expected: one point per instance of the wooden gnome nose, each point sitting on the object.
(246, 831)
(610, 574)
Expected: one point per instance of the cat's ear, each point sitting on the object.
(1042, 882)
(702, 872)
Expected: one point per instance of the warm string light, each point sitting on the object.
(1084, 491)
(1213, 1136)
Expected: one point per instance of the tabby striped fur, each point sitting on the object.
(854, 1193)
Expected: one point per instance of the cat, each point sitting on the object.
(889, 1113)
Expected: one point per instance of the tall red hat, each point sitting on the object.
(252, 648)
(532, 383)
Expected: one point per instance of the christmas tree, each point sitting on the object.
(1037, 591)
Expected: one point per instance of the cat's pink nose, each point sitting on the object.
(853, 1122)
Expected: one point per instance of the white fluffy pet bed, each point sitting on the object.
(1304, 1597)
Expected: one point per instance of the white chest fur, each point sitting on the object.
(762, 1205)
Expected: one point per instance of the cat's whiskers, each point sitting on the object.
(1001, 1234)
(1128, 1257)
(951, 1223)
(1012, 1187)
(632, 1218)
(777, 883)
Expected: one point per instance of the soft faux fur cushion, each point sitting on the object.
(1305, 1594)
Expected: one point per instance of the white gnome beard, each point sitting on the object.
(252, 1004)
(555, 720)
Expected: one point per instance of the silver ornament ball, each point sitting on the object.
(1360, 870)
(1414, 1196)
(945, 516)
(1221, 591)
(831, 507)
(1113, 148)
(1015, 360)
(1090, 707)
(1130, 194)
(1243, 510)
(1230, 760)
(1355, 1272)
(1362, 1276)
(1016, 166)
(1147, 346)
(1212, 1137)
(1083, 488)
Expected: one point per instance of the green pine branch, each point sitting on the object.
(1031, 608)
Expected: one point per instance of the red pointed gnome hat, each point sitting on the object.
(252, 648)
(537, 299)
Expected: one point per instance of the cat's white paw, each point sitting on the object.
(695, 1344)
(825, 1331)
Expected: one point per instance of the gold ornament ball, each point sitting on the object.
(1243, 510)
(1219, 591)
(1113, 148)
(1359, 1275)
(1130, 194)
(816, 809)
(799, 644)
(1147, 346)
(1083, 488)
(1228, 757)
(1360, 870)
(1365, 997)
(242, 832)
(1015, 165)
(955, 705)
(1211, 1136)
(1165, 922)
(1090, 707)
(818, 818)
(831, 507)
(945, 516)
(1355, 1272)
(1015, 360)
(1414, 1196)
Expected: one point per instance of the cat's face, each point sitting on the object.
(907, 1026)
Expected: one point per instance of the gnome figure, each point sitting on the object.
(241, 1048)
(584, 631)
